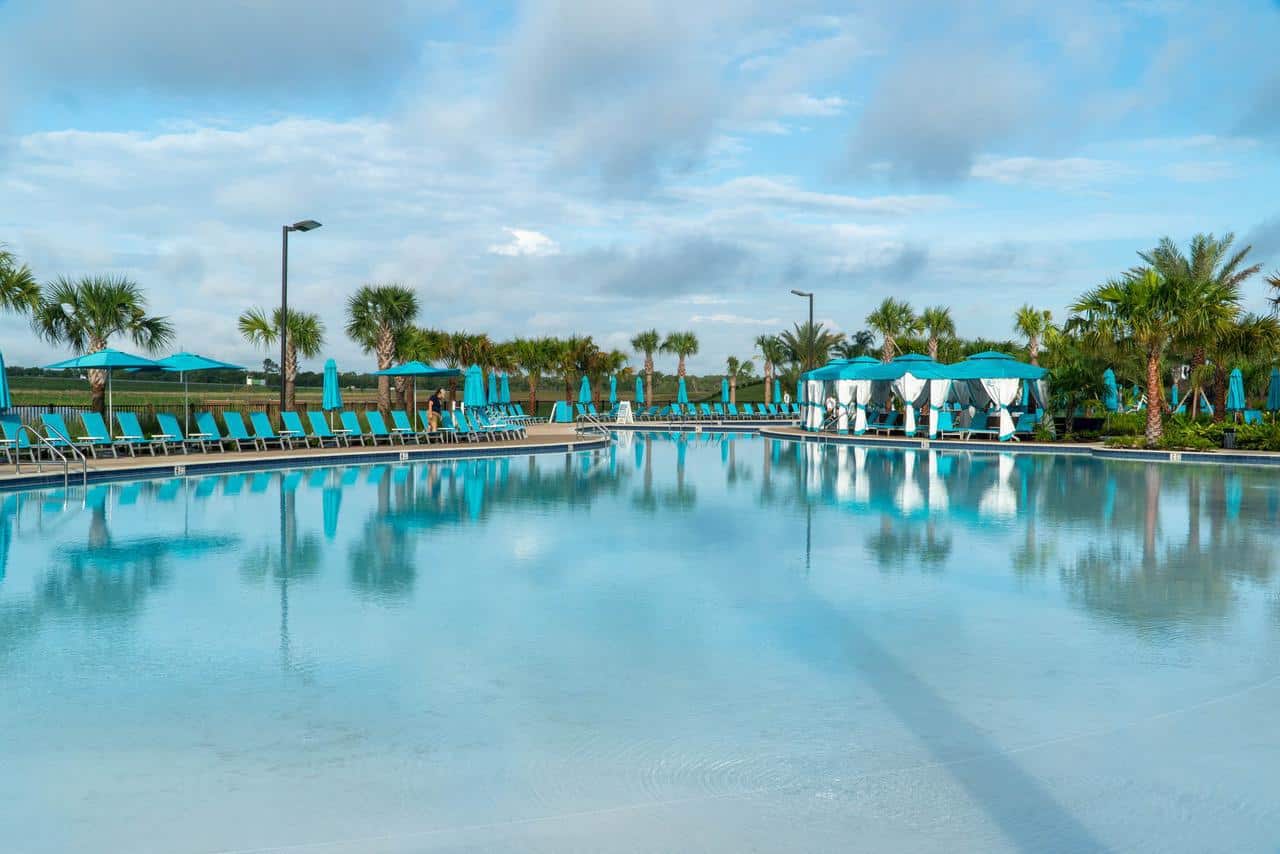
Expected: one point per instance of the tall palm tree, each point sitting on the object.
(1033, 324)
(306, 338)
(774, 352)
(464, 349)
(579, 356)
(647, 342)
(536, 357)
(607, 363)
(893, 318)
(683, 344)
(1146, 313)
(737, 370)
(85, 313)
(376, 314)
(19, 291)
(855, 344)
(1273, 282)
(808, 346)
(937, 324)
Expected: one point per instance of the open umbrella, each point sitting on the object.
(584, 391)
(504, 389)
(103, 360)
(1110, 393)
(724, 390)
(1235, 391)
(682, 393)
(1273, 391)
(473, 387)
(639, 390)
(6, 399)
(416, 369)
(613, 390)
(186, 363)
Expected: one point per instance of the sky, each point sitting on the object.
(570, 166)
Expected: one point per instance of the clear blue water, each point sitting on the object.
(695, 644)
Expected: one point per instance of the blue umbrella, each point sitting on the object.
(473, 387)
(1273, 391)
(1235, 391)
(104, 360)
(493, 386)
(1173, 396)
(6, 399)
(613, 390)
(1110, 394)
(407, 369)
(584, 391)
(682, 393)
(332, 396)
(504, 390)
(331, 500)
(800, 391)
(724, 390)
(777, 391)
(185, 363)
(639, 390)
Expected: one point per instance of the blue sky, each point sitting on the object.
(573, 166)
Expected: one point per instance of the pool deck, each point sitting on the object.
(542, 438)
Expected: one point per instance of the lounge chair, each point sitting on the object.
(130, 430)
(292, 431)
(238, 433)
(58, 434)
(265, 434)
(171, 434)
(480, 431)
(401, 426)
(351, 427)
(520, 411)
(446, 434)
(946, 425)
(209, 431)
(1025, 425)
(458, 421)
(886, 423)
(321, 432)
(15, 440)
(97, 436)
(979, 426)
(378, 429)
(510, 428)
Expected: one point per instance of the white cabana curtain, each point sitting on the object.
(813, 407)
(861, 397)
(938, 392)
(844, 397)
(1003, 392)
(909, 388)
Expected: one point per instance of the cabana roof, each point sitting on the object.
(841, 369)
(916, 364)
(991, 365)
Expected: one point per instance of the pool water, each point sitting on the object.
(682, 643)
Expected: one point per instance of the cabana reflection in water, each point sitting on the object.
(710, 633)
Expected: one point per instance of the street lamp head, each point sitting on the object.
(801, 293)
(304, 225)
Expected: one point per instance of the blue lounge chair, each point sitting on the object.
(291, 429)
(446, 431)
(480, 431)
(351, 426)
(886, 423)
(719, 409)
(457, 420)
(131, 430)
(401, 426)
(947, 425)
(208, 430)
(56, 431)
(502, 425)
(748, 411)
(321, 432)
(265, 434)
(378, 429)
(172, 435)
(704, 409)
(979, 426)
(97, 436)
(15, 440)
(237, 432)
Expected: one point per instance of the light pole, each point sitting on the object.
(301, 225)
(808, 361)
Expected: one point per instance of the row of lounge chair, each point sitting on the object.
(260, 434)
(698, 411)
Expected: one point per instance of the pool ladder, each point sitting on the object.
(54, 451)
(590, 423)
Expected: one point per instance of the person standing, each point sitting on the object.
(435, 404)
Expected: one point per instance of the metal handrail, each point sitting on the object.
(589, 422)
(66, 463)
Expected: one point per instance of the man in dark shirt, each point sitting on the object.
(434, 406)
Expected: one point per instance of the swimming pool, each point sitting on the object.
(682, 643)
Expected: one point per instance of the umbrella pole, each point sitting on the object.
(186, 405)
(110, 406)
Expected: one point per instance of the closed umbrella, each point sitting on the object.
(639, 390)
(800, 392)
(493, 386)
(331, 500)
(584, 391)
(1173, 396)
(1235, 391)
(1110, 394)
(1273, 391)
(613, 390)
(777, 391)
(331, 398)
(473, 387)
(103, 360)
(504, 390)
(682, 393)
(6, 399)
(724, 390)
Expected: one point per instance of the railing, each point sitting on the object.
(54, 451)
(587, 423)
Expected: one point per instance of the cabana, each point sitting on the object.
(844, 379)
(996, 377)
(913, 379)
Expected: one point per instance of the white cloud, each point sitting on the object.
(526, 242)
(782, 192)
(735, 320)
(1064, 173)
(1200, 171)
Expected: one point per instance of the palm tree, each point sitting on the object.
(578, 356)
(893, 318)
(1249, 337)
(306, 338)
(376, 314)
(85, 313)
(647, 342)
(937, 324)
(1032, 324)
(809, 346)
(774, 352)
(1273, 281)
(19, 291)
(856, 344)
(737, 370)
(1145, 312)
(683, 344)
(536, 357)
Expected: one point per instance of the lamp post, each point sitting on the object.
(301, 225)
(808, 361)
